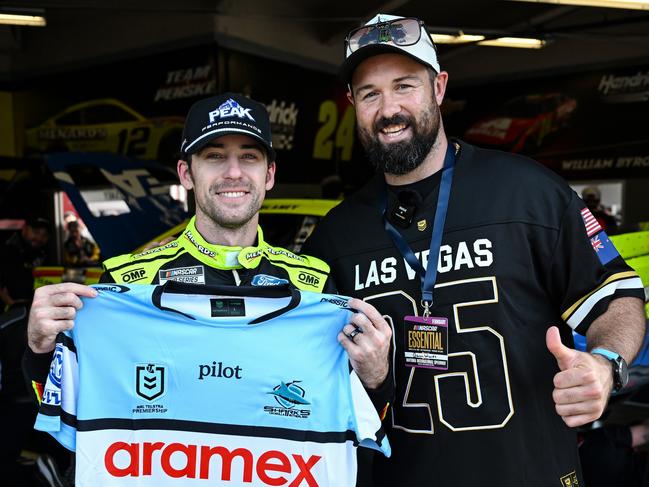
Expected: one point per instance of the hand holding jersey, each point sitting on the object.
(53, 310)
(55, 306)
(583, 386)
(367, 350)
(203, 402)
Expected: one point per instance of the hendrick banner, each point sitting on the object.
(584, 126)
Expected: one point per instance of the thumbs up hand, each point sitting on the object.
(583, 384)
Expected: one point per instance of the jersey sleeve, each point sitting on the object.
(587, 272)
(369, 430)
(58, 410)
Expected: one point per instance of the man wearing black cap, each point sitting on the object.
(229, 162)
(486, 392)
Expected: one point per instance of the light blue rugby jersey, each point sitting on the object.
(176, 384)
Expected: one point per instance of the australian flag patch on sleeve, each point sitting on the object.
(603, 247)
(600, 242)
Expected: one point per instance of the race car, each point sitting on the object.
(107, 125)
(522, 124)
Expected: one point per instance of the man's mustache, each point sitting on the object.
(394, 120)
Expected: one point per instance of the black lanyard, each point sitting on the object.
(429, 276)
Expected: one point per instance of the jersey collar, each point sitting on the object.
(218, 256)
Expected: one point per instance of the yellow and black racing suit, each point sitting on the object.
(191, 259)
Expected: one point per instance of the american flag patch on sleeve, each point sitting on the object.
(592, 226)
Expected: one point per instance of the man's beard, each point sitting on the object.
(400, 158)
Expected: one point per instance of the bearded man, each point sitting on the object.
(473, 256)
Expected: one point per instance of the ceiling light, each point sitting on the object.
(31, 17)
(520, 42)
(628, 4)
(461, 38)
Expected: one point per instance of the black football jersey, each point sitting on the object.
(519, 254)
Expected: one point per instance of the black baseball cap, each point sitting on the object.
(226, 114)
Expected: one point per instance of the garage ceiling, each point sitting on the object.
(310, 33)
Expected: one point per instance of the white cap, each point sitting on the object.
(423, 51)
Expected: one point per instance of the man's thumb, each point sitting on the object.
(562, 353)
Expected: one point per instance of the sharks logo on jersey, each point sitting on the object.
(289, 395)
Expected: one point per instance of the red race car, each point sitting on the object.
(522, 123)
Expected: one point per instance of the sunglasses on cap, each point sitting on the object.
(401, 32)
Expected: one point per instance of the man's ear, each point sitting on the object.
(185, 174)
(350, 95)
(441, 79)
(270, 176)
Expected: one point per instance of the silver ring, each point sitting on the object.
(355, 332)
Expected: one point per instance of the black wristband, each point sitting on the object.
(36, 366)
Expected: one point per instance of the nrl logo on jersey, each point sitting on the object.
(230, 109)
(289, 395)
(150, 381)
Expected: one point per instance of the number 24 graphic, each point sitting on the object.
(323, 146)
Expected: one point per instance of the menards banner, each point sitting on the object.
(137, 107)
(584, 126)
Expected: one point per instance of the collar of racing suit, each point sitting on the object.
(222, 256)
